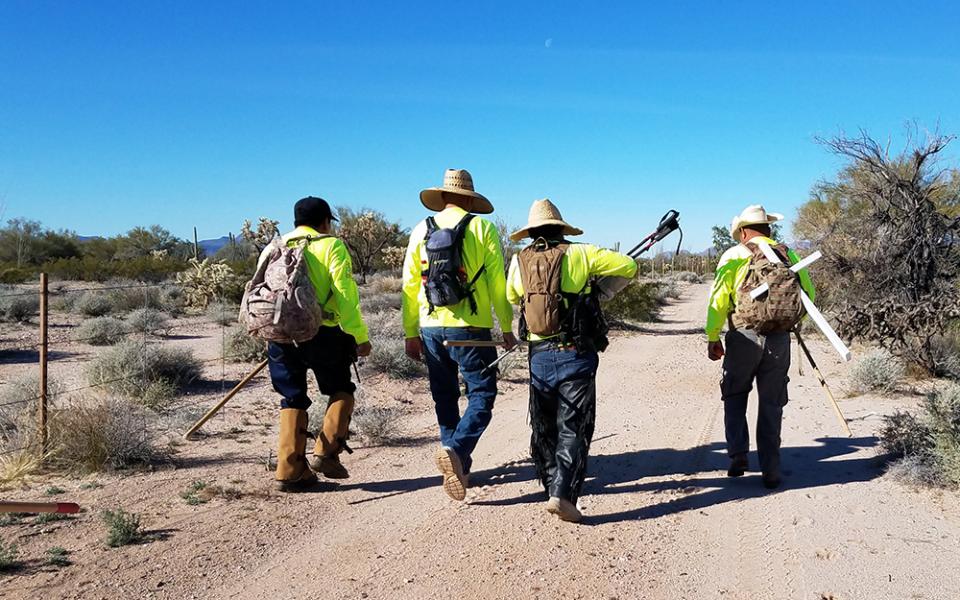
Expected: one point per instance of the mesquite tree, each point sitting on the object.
(367, 233)
(890, 234)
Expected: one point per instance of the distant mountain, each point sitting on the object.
(211, 247)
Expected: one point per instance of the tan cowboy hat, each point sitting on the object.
(455, 181)
(754, 214)
(544, 212)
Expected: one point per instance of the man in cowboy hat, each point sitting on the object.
(453, 282)
(330, 354)
(750, 355)
(550, 281)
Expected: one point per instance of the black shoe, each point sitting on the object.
(738, 465)
(772, 482)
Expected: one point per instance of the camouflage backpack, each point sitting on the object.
(280, 303)
(778, 310)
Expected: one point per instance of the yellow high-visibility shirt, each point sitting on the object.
(481, 247)
(330, 269)
(731, 272)
(580, 263)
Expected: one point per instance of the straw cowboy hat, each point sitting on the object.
(754, 214)
(455, 181)
(544, 212)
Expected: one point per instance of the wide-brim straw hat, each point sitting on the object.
(456, 181)
(754, 214)
(543, 212)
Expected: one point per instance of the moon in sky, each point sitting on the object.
(548, 43)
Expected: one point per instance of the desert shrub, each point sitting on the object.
(385, 324)
(138, 370)
(131, 295)
(57, 556)
(685, 277)
(148, 320)
(8, 556)
(384, 284)
(15, 275)
(19, 309)
(927, 446)
(377, 424)
(101, 331)
(171, 300)
(103, 434)
(222, 313)
(945, 353)
(122, 527)
(240, 346)
(375, 303)
(93, 304)
(876, 371)
(205, 281)
(388, 357)
(667, 289)
(638, 302)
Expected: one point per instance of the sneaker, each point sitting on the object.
(564, 509)
(454, 479)
(738, 465)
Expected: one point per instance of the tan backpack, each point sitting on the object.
(540, 272)
(280, 303)
(780, 309)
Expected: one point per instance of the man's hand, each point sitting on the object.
(715, 350)
(364, 349)
(414, 348)
(509, 341)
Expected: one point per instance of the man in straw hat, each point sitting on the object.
(550, 281)
(753, 351)
(453, 282)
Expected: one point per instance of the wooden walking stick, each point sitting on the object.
(823, 384)
(68, 508)
(226, 399)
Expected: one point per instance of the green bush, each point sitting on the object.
(20, 309)
(104, 434)
(101, 331)
(240, 346)
(15, 275)
(132, 368)
(57, 556)
(122, 527)
(8, 557)
(927, 445)
(93, 304)
(638, 302)
(876, 371)
(148, 320)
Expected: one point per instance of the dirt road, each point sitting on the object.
(662, 520)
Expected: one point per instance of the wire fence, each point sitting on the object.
(148, 315)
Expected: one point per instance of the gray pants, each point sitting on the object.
(751, 356)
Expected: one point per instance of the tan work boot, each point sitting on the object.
(454, 480)
(293, 473)
(564, 509)
(331, 439)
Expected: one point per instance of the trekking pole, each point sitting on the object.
(236, 389)
(471, 344)
(494, 364)
(610, 286)
(66, 508)
(823, 384)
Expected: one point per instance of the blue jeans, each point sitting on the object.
(461, 433)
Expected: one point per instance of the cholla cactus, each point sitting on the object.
(366, 234)
(204, 281)
(260, 238)
(393, 257)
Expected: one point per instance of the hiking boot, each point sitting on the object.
(293, 473)
(738, 465)
(564, 509)
(454, 479)
(329, 466)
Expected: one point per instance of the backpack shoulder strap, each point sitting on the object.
(431, 227)
(460, 230)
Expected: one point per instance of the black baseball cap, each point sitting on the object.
(311, 211)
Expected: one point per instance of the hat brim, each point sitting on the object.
(738, 224)
(568, 229)
(432, 198)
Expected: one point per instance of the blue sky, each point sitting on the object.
(204, 113)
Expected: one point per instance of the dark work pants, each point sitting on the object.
(765, 358)
(329, 355)
(563, 411)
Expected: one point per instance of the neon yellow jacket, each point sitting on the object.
(731, 272)
(581, 262)
(330, 269)
(481, 246)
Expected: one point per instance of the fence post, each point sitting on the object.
(43, 364)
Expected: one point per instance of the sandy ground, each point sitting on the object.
(662, 520)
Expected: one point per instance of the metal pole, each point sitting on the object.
(42, 412)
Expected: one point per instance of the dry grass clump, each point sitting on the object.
(149, 372)
(926, 446)
(148, 320)
(378, 303)
(389, 357)
(384, 284)
(240, 346)
(377, 424)
(101, 331)
(102, 434)
(877, 371)
(685, 277)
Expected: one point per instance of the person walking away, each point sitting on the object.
(551, 281)
(342, 336)
(757, 338)
(453, 282)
